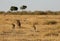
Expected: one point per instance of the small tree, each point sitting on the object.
(13, 8)
(23, 7)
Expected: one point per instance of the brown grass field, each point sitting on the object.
(32, 28)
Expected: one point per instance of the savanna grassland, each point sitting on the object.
(31, 26)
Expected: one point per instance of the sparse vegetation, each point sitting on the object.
(52, 34)
(29, 12)
(51, 22)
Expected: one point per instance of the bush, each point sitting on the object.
(13, 8)
(2, 12)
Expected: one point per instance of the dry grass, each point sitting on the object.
(33, 27)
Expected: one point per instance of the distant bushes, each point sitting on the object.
(32, 13)
(2, 12)
(39, 13)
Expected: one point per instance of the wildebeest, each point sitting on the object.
(14, 8)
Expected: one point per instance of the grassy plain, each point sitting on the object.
(41, 31)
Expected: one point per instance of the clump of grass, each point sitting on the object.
(51, 22)
(52, 34)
